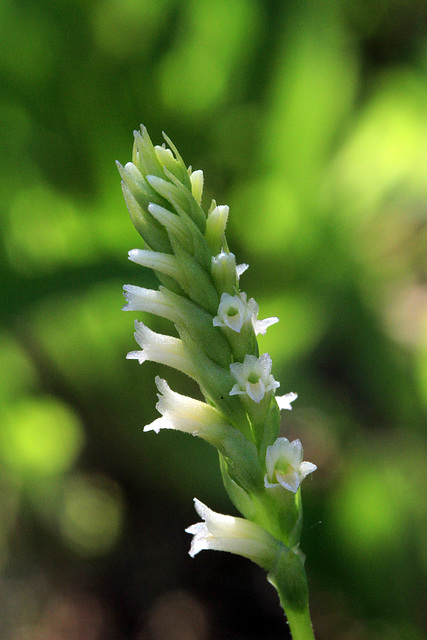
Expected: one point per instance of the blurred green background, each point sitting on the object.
(309, 118)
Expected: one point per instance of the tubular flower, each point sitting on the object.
(161, 349)
(285, 466)
(183, 413)
(235, 535)
(253, 377)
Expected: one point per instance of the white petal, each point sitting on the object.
(264, 364)
(188, 415)
(273, 453)
(272, 384)
(238, 373)
(261, 326)
(162, 262)
(306, 468)
(137, 355)
(236, 391)
(290, 481)
(294, 453)
(256, 390)
(162, 349)
(284, 402)
(241, 268)
(149, 300)
(159, 423)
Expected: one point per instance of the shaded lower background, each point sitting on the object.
(310, 120)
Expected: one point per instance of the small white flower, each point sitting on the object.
(162, 262)
(186, 414)
(149, 300)
(162, 349)
(284, 402)
(253, 377)
(235, 535)
(284, 465)
(234, 311)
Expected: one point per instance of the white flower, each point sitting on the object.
(253, 377)
(162, 262)
(149, 300)
(284, 402)
(188, 415)
(284, 465)
(235, 535)
(234, 311)
(162, 349)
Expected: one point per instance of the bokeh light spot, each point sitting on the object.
(13, 358)
(127, 27)
(91, 516)
(368, 510)
(40, 436)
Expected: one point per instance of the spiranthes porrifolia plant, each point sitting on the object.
(215, 343)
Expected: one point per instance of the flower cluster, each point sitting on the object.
(215, 343)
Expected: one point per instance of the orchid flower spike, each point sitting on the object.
(213, 339)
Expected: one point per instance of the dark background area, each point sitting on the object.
(310, 120)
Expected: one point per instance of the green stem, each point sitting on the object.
(289, 578)
(300, 624)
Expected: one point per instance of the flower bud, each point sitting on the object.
(196, 178)
(215, 228)
(224, 273)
